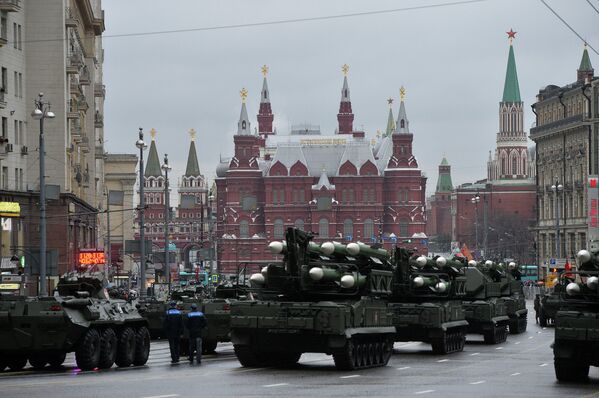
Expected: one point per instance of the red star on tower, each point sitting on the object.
(511, 34)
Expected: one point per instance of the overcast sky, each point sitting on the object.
(451, 60)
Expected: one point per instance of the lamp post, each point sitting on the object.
(42, 111)
(211, 245)
(557, 189)
(142, 205)
(476, 200)
(166, 168)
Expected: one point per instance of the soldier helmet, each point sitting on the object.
(194, 306)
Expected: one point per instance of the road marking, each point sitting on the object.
(276, 385)
(403, 368)
(517, 342)
(442, 360)
(474, 354)
(499, 348)
(349, 377)
(424, 392)
(478, 382)
(531, 337)
(543, 364)
(516, 374)
(163, 396)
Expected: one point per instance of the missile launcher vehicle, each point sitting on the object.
(328, 298)
(426, 301)
(486, 311)
(576, 344)
(547, 304)
(512, 293)
(80, 317)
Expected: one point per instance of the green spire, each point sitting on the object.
(193, 167)
(390, 123)
(444, 183)
(511, 89)
(585, 62)
(153, 165)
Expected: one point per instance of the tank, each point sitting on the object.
(486, 311)
(512, 292)
(576, 346)
(324, 300)
(80, 317)
(427, 301)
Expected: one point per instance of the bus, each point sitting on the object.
(529, 273)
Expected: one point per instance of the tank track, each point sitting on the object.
(452, 341)
(496, 335)
(518, 325)
(366, 351)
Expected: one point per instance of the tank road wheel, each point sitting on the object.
(38, 362)
(248, 357)
(125, 353)
(542, 318)
(16, 362)
(345, 358)
(209, 346)
(441, 345)
(142, 346)
(387, 350)
(87, 354)
(56, 360)
(496, 335)
(108, 347)
(569, 370)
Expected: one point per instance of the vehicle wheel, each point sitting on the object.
(570, 370)
(125, 353)
(387, 351)
(87, 354)
(542, 318)
(56, 360)
(15, 363)
(108, 347)
(142, 346)
(208, 346)
(38, 362)
(248, 357)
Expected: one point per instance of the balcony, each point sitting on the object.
(74, 83)
(72, 109)
(10, 5)
(3, 35)
(2, 100)
(74, 62)
(99, 90)
(558, 125)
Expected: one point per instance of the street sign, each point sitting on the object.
(215, 278)
(552, 261)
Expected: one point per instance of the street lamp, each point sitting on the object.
(557, 188)
(166, 168)
(42, 111)
(476, 200)
(142, 206)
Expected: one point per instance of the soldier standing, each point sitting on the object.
(196, 322)
(173, 327)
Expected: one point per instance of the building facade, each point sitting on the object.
(69, 73)
(567, 126)
(341, 187)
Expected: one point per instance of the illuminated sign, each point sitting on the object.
(91, 258)
(9, 286)
(592, 212)
(10, 209)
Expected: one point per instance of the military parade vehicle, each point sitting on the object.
(426, 301)
(80, 317)
(576, 344)
(546, 305)
(512, 292)
(486, 312)
(327, 298)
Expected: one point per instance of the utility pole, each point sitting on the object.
(142, 205)
(108, 253)
(167, 213)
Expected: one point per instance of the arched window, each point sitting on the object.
(368, 228)
(244, 229)
(279, 229)
(515, 165)
(323, 228)
(243, 125)
(348, 229)
(402, 123)
(299, 224)
(403, 228)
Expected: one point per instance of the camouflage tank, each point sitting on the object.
(320, 298)
(426, 301)
(512, 292)
(576, 346)
(486, 312)
(80, 317)
(547, 304)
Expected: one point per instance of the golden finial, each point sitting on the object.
(390, 101)
(244, 94)
(372, 142)
(192, 134)
(402, 93)
(264, 70)
(345, 69)
(153, 134)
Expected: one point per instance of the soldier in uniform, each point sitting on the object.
(196, 322)
(173, 327)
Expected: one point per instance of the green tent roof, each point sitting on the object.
(444, 162)
(444, 183)
(390, 124)
(585, 62)
(153, 165)
(193, 167)
(511, 89)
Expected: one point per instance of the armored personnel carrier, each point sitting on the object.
(576, 346)
(80, 317)
(426, 301)
(486, 312)
(321, 298)
(547, 304)
(512, 292)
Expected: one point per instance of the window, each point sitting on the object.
(17, 184)
(16, 123)
(244, 229)
(4, 131)
(19, 36)
(4, 85)
(279, 229)
(4, 177)
(299, 224)
(323, 228)
(16, 81)
(368, 229)
(403, 228)
(348, 229)
(14, 35)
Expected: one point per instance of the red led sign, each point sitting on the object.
(92, 258)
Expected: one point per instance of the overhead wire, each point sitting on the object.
(569, 27)
(594, 8)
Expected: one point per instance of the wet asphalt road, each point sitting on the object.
(521, 367)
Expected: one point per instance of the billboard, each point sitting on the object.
(592, 212)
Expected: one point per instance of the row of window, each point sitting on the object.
(18, 131)
(571, 205)
(570, 243)
(18, 181)
(183, 215)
